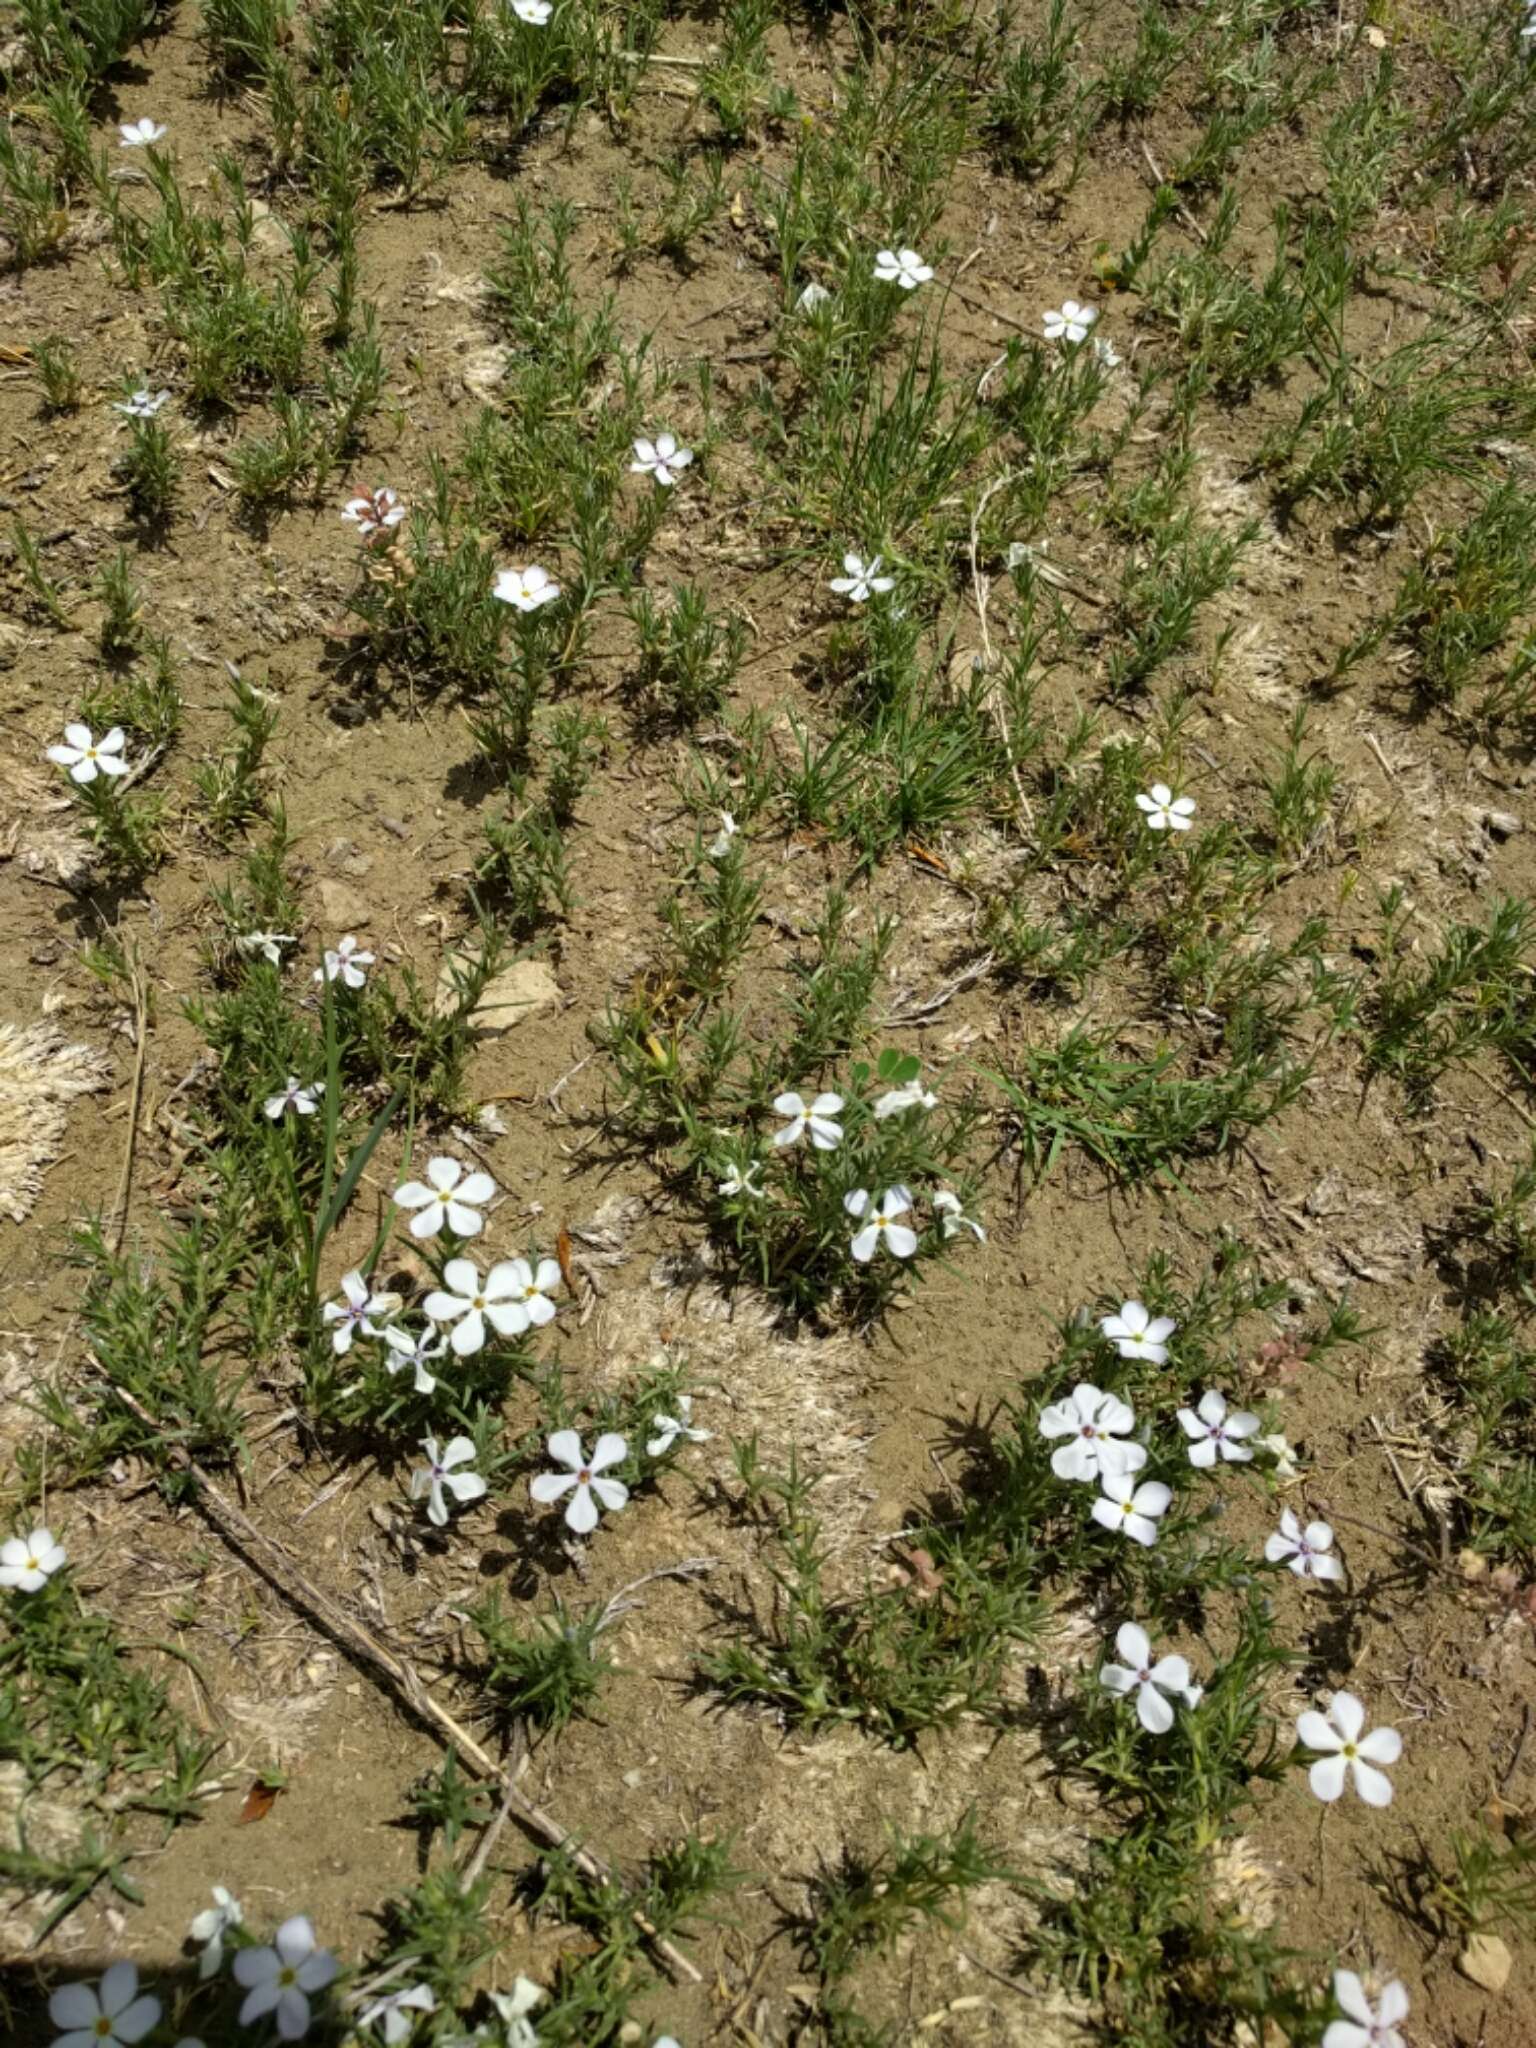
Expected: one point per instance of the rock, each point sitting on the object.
(1486, 1962)
(344, 908)
(525, 989)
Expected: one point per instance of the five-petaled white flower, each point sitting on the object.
(86, 758)
(302, 1101)
(526, 588)
(266, 944)
(739, 1181)
(819, 1118)
(661, 458)
(143, 404)
(347, 961)
(1367, 2025)
(720, 845)
(862, 580)
(953, 1219)
(438, 1475)
(352, 1314)
(1133, 1510)
(1348, 1751)
(1136, 1333)
(110, 2014)
(374, 512)
(584, 1475)
(1305, 1551)
(1070, 322)
(397, 2009)
(211, 1926)
(1166, 812)
(281, 1980)
(535, 12)
(1149, 1681)
(139, 134)
(879, 1220)
(913, 1095)
(670, 1427)
(469, 1304)
(447, 1196)
(1096, 1426)
(513, 2008)
(416, 1352)
(27, 1563)
(902, 266)
(1217, 1431)
(1106, 352)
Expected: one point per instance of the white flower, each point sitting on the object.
(861, 580)
(535, 12)
(1303, 1551)
(447, 1197)
(438, 1474)
(280, 1979)
(739, 1181)
(86, 758)
(143, 404)
(27, 1563)
(1093, 1424)
(670, 1427)
(374, 512)
(1150, 1681)
(953, 1219)
(395, 2010)
(526, 588)
(813, 296)
(513, 2008)
(1165, 811)
(1137, 1334)
(266, 944)
(661, 458)
(1216, 1432)
(351, 1314)
(720, 845)
(818, 1119)
(469, 1305)
(346, 959)
(416, 1352)
(1071, 323)
(302, 1101)
(138, 134)
(902, 266)
(211, 1926)
(1349, 1752)
(900, 1238)
(1281, 1450)
(1368, 2026)
(565, 1448)
(1133, 1510)
(913, 1096)
(106, 2014)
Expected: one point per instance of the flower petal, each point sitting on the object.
(565, 1448)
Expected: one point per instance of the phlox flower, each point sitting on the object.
(525, 589)
(281, 1980)
(513, 2008)
(86, 758)
(1096, 1426)
(912, 1096)
(142, 404)
(819, 1119)
(1348, 1752)
(1166, 812)
(1149, 1681)
(291, 1096)
(448, 1196)
(110, 2014)
(266, 944)
(1215, 1431)
(210, 1927)
(1303, 1551)
(879, 1222)
(397, 2009)
(902, 266)
(1366, 2025)
(1106, 352)
(139, 134)
(1133, 1510)
(535, 12)
(345, 961)
(1071, 323)
(953, 1219)
(1135, 1333)
(739, 1181)
(720, 845)
(374, 512)
(662, 459)
(670, 1427)
(27, 1563)
(814, 295)
(469, 1304)
(861, 579)
(352, 1315)
(582, 1478)
(438, 1476)
(416, 1352)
